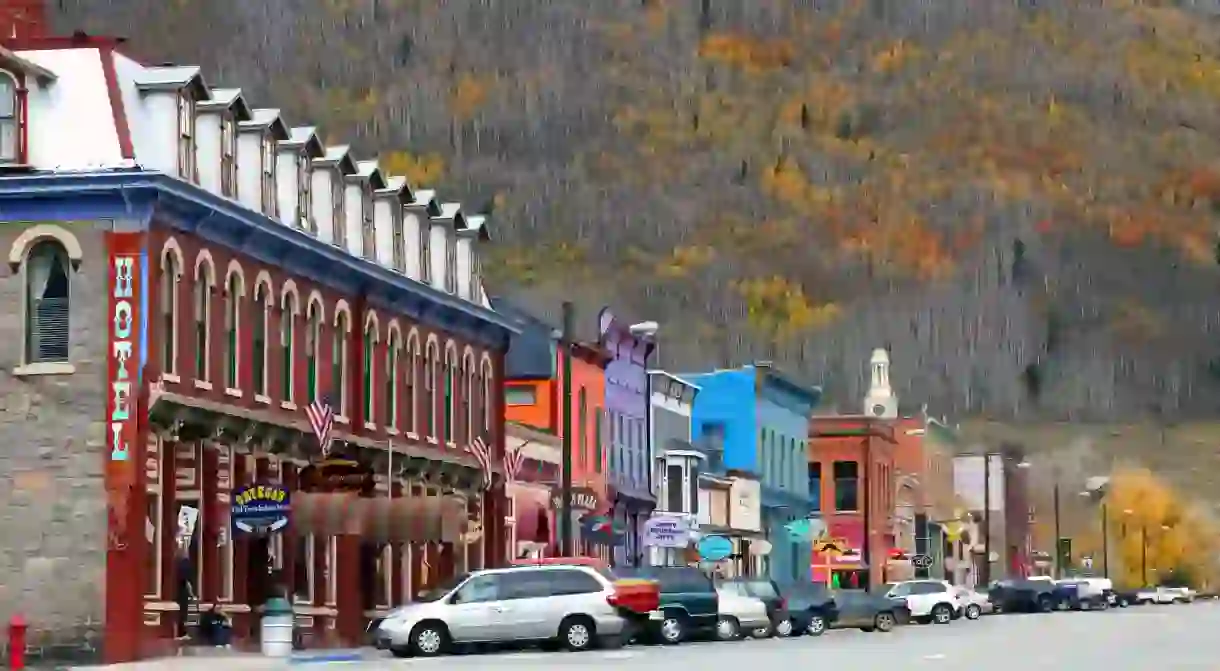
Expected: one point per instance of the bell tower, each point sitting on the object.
(880, 402)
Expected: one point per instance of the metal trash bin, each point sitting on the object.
(277, 628)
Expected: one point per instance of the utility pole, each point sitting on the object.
(986, 519)
(565, 488)
(1105, 540)
(1144, 554)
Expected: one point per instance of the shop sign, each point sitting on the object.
(582, 499)
(260, 508)
(337, 476)
(715, 548)
(664, 530)
(124, 359)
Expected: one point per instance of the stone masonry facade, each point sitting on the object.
(52, 496)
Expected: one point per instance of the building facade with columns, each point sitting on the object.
(191, 274)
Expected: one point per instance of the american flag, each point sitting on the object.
(513, 460)
(482, 454)
(322, 419)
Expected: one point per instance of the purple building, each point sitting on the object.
(625, 430)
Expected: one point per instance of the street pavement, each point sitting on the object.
(1178, 637)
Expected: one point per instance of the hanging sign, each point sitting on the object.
(260, 508)
(666, 530)
(715, 548)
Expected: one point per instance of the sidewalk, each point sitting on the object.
(235, 661)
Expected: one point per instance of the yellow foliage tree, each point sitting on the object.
(419, 169)
(1154, 533)
(780, 309)
(468, 95)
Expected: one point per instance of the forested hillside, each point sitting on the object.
(1019, 197)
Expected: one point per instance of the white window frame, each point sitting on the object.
(187, 162)
(425, 253)
(342, 329)
(310, 572)
(406, 560)
(271, 201)
(16, 119)
(332, 572)
(228, 155)
(169, 262)
(398, 237)
(304, 192)
(205, 274)
(369, 345)
(393, 361)
(235, 289)
(386, 598)
(338, 208)
(488, 406)
(368, 234)
(451, 273)
(288, 314)
(265, 307)
(157, 489)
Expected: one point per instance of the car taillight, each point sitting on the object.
(612, 599)
(783, 603)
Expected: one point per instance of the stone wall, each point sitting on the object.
(52, 500)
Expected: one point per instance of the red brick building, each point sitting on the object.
(240, 271)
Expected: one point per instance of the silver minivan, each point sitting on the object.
(571, 605)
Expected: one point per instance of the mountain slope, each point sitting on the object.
(1016, 197)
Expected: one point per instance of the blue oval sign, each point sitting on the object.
(715, 548)
(260, 508)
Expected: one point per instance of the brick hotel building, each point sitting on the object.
(186, 275)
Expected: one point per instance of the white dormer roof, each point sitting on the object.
(477, 223)
(168, 77)
(223, 99)
(306, 136)
(339, 155)
(269, 119)
(395, 186)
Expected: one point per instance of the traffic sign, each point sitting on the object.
(921, 561)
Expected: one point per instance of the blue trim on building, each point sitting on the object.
(796, 504)
(130, 197)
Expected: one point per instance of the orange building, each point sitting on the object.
(533, 394)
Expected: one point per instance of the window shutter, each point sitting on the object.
(49, 327)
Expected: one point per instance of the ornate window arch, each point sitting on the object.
(449, 411)
(487, 376)
(392, 373)
(338, 357)
(414, 364)
(315, 316)
(261, 356)
(235, 292)
(204, 286)
(431, 363)
(168, 310)
(467, 414)
(48, 303)
(290, 307)
(368, 374)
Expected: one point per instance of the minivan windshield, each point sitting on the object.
(438, 592)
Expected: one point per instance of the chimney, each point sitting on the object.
(23, 19)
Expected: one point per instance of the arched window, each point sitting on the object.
(467, 396)
(204, 280)
(489, 401)
(338, 362)
(47, 305)
(392, 353)
(171, 279)
(368, 391)
(313, 346)
(262, 326)
(10, 120)
(288, 315)
(430, 365)
(450, 391)
(412, 381)
(233, 294)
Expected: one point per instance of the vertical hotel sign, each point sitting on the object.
(124, 353)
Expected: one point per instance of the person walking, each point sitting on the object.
(185, 592)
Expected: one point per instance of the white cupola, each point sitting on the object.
(880, 401)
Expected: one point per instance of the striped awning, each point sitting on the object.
(380, 519)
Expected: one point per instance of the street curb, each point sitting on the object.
(335, 657)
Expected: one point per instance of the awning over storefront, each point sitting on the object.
(381, 519)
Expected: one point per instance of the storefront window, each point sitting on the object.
(153, 525)
(303, 573)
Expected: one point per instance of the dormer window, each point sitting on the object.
(366, 224)
(303, 193)
(186, 137)
(398, 240)
(336, 202)
(451, 265)
(10, 119)
(271, 205)
(425, 254)
(228, 156)
(476, 278)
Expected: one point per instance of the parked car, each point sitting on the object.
(689, 604)
(768, 591)
(1126, 597)
(1145, 596)
(868, 611)
(1023, 595)
(1093, 593)
(975, 604)
(739, 612)
(811, 607)
(928, 600)
(575, 606)
(1174, 595)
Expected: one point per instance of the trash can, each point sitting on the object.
(276, 631)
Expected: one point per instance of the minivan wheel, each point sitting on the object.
(576, 634)
(429, 639)
(784, 628)
(816, 625)
(1045, 605)
(942, 614)
(884, 623)
(727, 628)
(673, 630)
(973, 611)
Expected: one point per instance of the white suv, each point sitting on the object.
(929, 600)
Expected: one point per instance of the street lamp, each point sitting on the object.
(1095, 490)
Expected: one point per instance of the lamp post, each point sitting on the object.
(565, 488)
(1095, 489)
